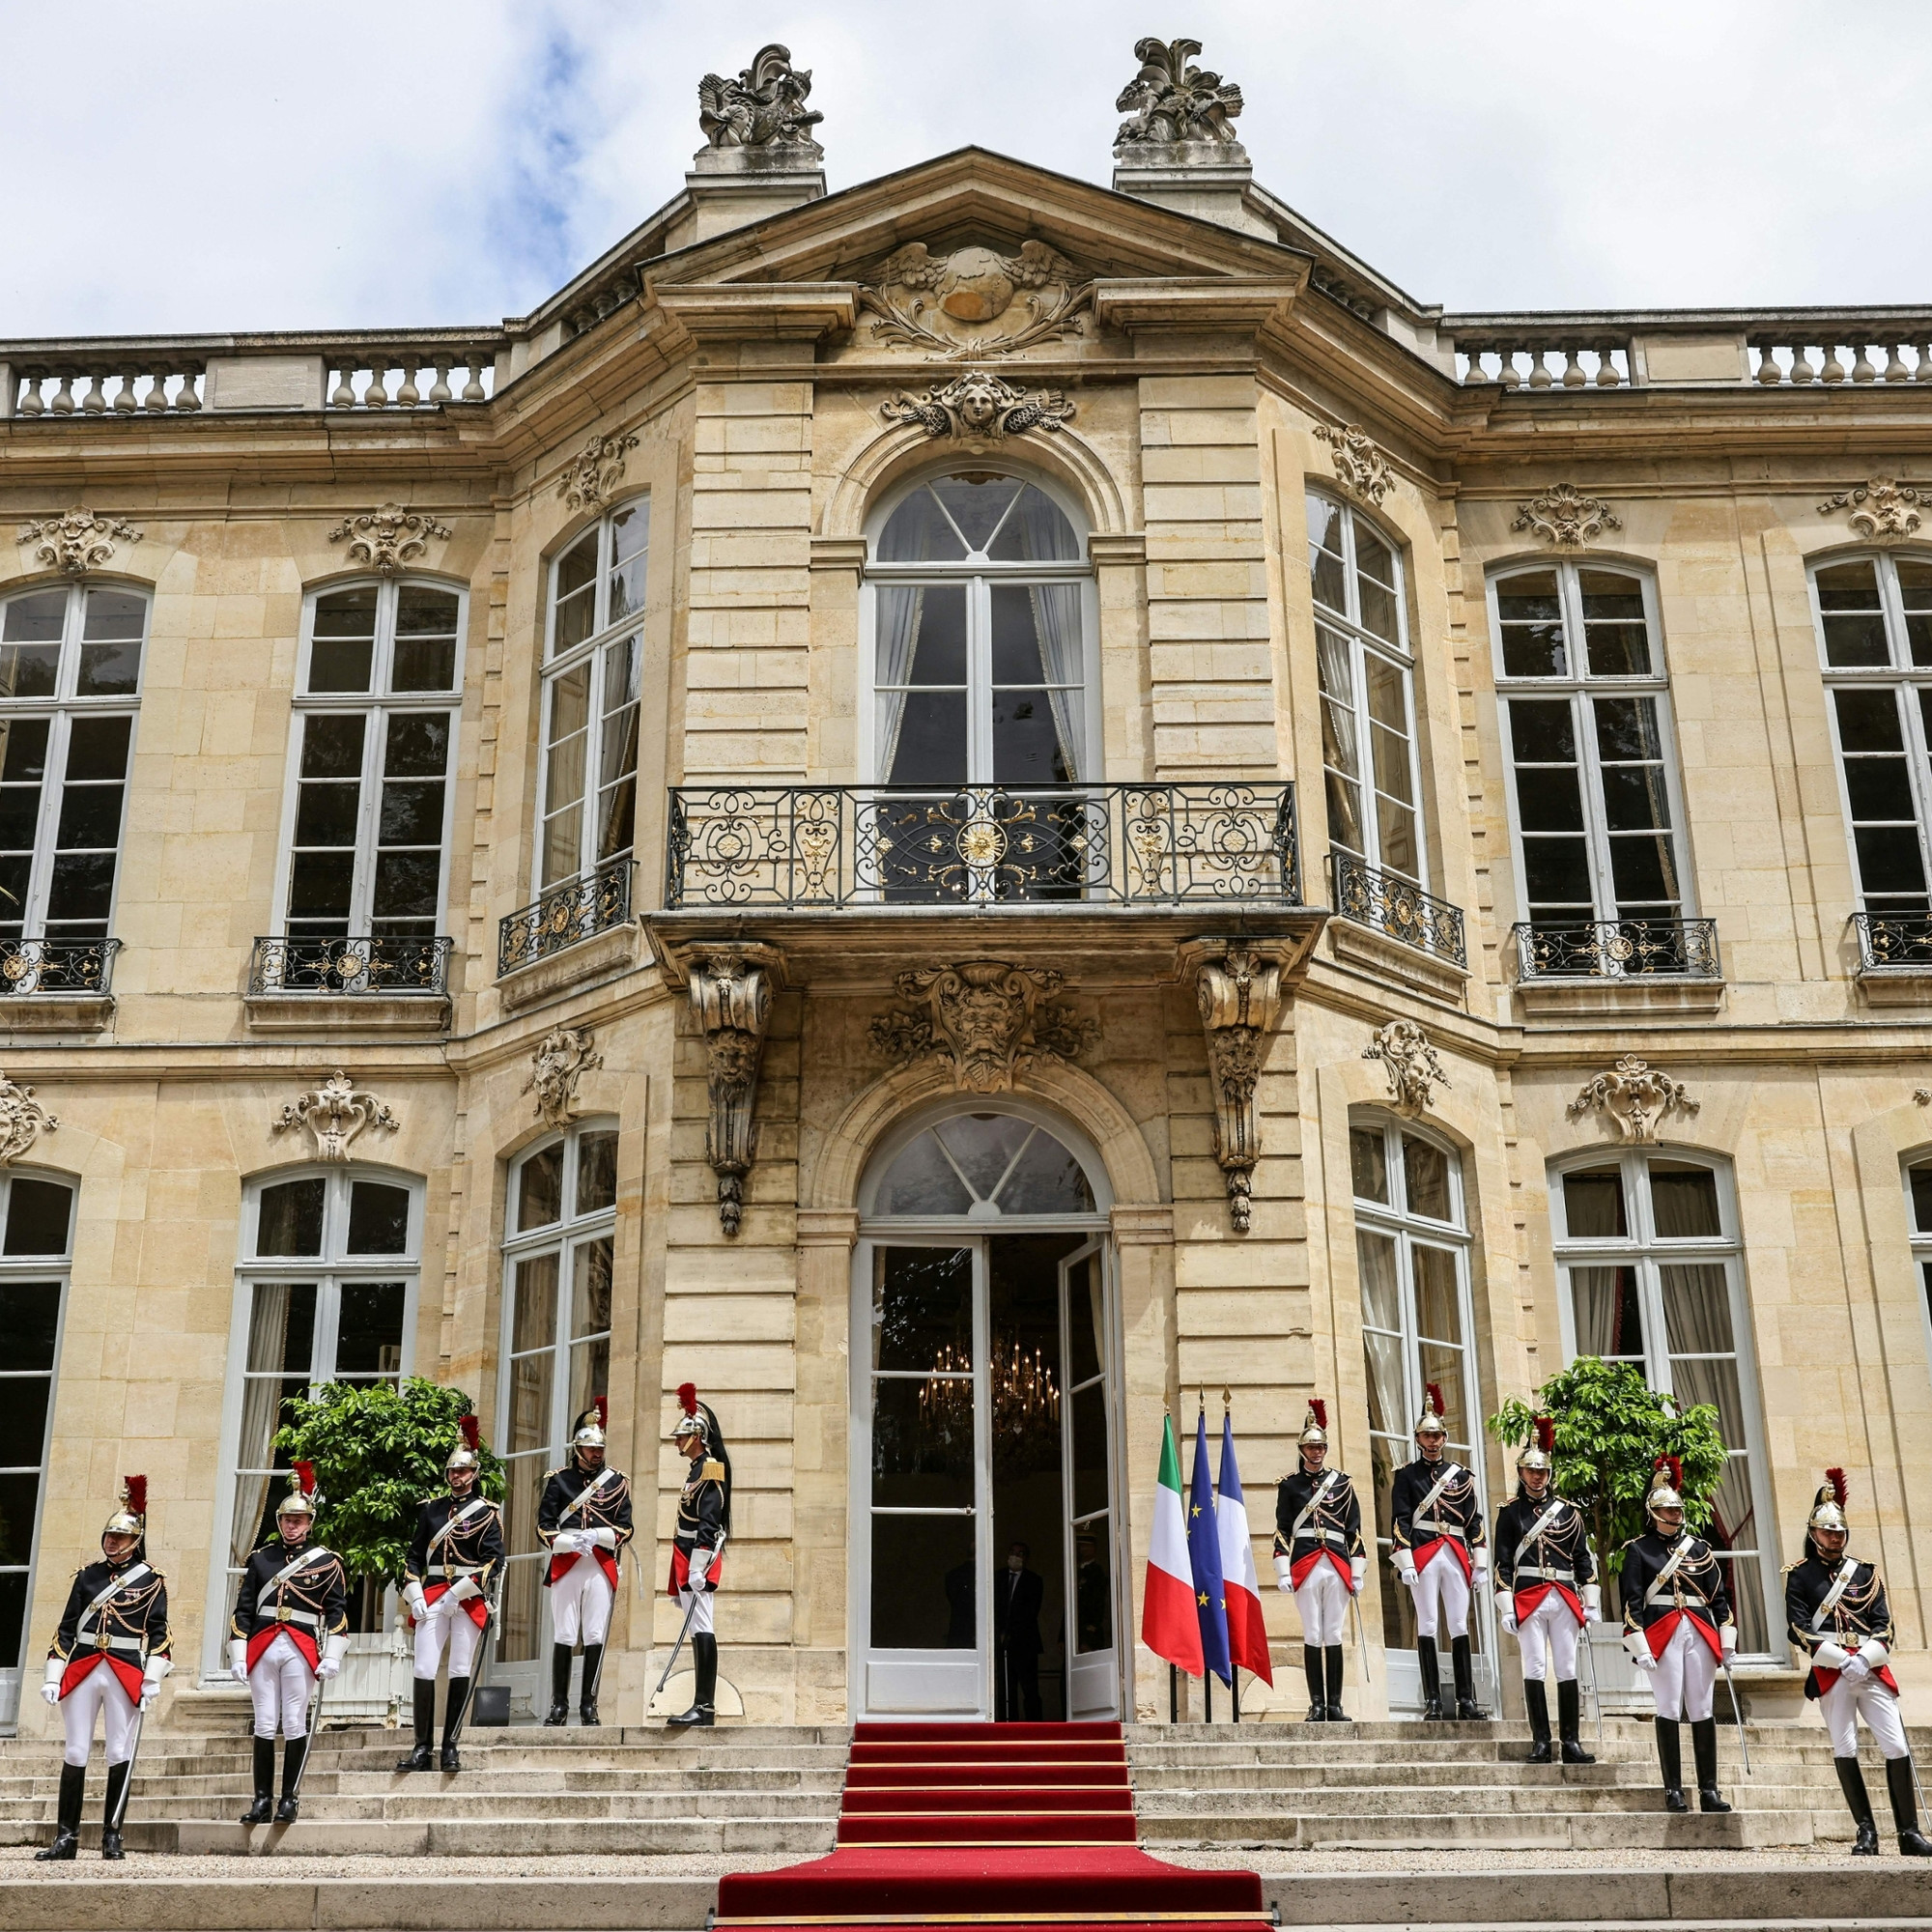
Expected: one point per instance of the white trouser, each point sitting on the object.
(701, 1623)
(579, 1601)
(98, 1691)
(1324, 1603)
(1686, 1678)
(449, 1624)
(1441, 1594)
(280, 1684)
(1548, 1634)
(1845, 1703)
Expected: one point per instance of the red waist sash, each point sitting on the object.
(561, 1565)
(82, 1662)
(1658, 1634)
(476, 1608)
(311, 1655)
(680, 1570)
(1436, 1545)
(1827, 1678)
(1303, 1567)
(1532, 1594)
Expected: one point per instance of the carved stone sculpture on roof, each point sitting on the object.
(975, 302)
(1172, 104)
(763, 108)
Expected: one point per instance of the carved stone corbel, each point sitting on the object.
(1237, 987)
(731, 990)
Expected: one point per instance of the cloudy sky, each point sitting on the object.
(211, 165)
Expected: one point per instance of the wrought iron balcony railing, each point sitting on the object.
(849, 845)
(565, 914)
(382, 964)
(1395, 906)
(1894, 940)
(1617, 949)
(56, 965)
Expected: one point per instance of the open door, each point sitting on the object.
(1087, 1460)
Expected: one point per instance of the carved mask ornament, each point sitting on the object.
(979, 404)
(77, 542)
(1635, 1097)
(385, 540)
(1409, 1064)
(335, 1114)
(987, 1020)
(22, 1120)
(562, 1059)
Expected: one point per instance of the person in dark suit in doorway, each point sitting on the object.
(1016, 1602)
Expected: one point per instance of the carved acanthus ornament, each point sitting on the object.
(1358, 463)
(985, 1018)
(1240, 995)
(764, 107)
(562, 1059)
(1170, 101)
(1881, 509)
(594, 472)
(76, 542)
(1409, 1065)
(731, 1001)
(1563, 517)
(386, 539)
(975, 302)
(977, 404)
(1635, 1097)
(335, 1116)
(22, 1120)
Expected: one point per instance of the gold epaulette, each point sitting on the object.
(711, 1472)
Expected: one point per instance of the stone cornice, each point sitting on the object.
(1243, 303)
(758, 311)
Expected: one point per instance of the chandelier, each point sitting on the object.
(1024, 1401)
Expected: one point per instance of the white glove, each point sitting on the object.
(156, 1670)
(51, 1693)
(1479, 1565)
(1727, 1636)
(566, 1544)
(1506, 1610)
(1645, 1663)
(1593, 1603)
(237, 1660)
(1358, 1567)
(604, 1539)
(1875, 1654)
(329, 1663)
(50, 1681)
(1831, 1656)
(701, 1562)
(1284, 1574)
(1856, 1669)
(464, 1588)
(1638, 1647)
(1405, 1566)
(413, 1596)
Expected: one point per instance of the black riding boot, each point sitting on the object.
(704, 1705)
(1430, 1661)
(586, 1696)
(1704, 1746)
(1336, 1713)
(453, 1721)
(1671, 1760)
(67, 1815)
(423, 1756)
(1318, 1692)
(560, 1685)
(110, 1812)
(263, 1808)
(1465, 1669)
(1536, 1701)
(1852, 1780)
(1904, 1811)
(294, 1751)
(1569, 1722)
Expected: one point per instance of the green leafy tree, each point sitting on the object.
(1611, 1426)
(379, 1453)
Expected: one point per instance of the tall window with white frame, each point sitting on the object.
(1874, 617)
(70, 680)
(1918, 1200)
(35, 1251)
(1651, 1274)
(1413, 1254)
(1593, 772)
(373, 752)
(557, 1255)
(326, 1293)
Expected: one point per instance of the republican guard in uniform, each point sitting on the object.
(584, 1519)
(1319, 1555)
(1440, 1555)
(1839, 1618)
(1679, 1631)
(109, 1655)
(698, 1549)
(290, 1630)
(455, 1558)
(1546, 1593)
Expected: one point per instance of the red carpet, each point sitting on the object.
(946, 1826)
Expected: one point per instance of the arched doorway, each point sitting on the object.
(985, 1418)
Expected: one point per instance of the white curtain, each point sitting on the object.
(899, 607)
(1045, 537)
(261, 1406)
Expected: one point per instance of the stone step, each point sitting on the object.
(538, 1807)
(1453, 1777)
(1607, 1832)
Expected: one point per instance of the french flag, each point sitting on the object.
(1247, 1639)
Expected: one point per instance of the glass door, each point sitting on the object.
(1087, 1453)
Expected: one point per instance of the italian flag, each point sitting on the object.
(1169, 1627)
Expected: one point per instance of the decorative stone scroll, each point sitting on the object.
(979, 404)
(77, 541)
(975, 302)
(594, 472)
(22, 1120)
(1564, 517)
(1408, 1064)
(386, 539)
(764, 107)
(335, 1116)
(1171, 104)
(1882, 509)
(561, 1059)
(987, 1020)
(1239, 996)
(1359, 465)
(731, 1001)
(1635, 1097)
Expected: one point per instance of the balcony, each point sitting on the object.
(1594, 968)
(566, 916)
(56, 985)
(1894, 956)
(1398, 907)
(386, 982)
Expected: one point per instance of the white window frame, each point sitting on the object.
(1579, 687)
(556, 666)
(329, 1271)
(1645, 1253)
(377, 704)
(1921, 1239)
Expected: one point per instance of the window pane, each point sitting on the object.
(29, 1323)
(1922, 1197)
(1914, 593)
(369, 1340)
(1444, 1365)
(540, 1188)
(1684, 1201)
(281, 1332)
(921, 1308)
(1614, 627)
(38, 617)
(1608, 1313)
(1326, 568)
(596, 1172)
(1046, 1179)
(1556, 876)
(19, 1497)
(1531, 616)
(1368, 1162)
(13, 1617)
(1426, 1177)
(342, 650)
(1382, 1294)
(28, 670)
(984, 1145)
(422, 611)
(941, 1613)
(630, 540)
(1697, 1320)
(977, 504)
(918, 532)
(1848, 597)
(574, 593)
(425, 650)
(1593, 1205)
(921, 1181)
(533, 1320)
(291, 1218)
(1868, 721)
(1438, 1309)
(589, 1373)
(922, 635)
(379, 1218)
(590, 1289)
(930, 747)
(36, 1223)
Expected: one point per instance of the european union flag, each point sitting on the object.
(1203, 1559)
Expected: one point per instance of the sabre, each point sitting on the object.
(675, 1648)
(314, 1726)
(482, 1660)
(1730, 1684)
(121, 1809)
(1596, 1695)
(1361, 1635)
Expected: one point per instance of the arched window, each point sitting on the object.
(1651, 1274)
(556, 1353)
(587, 789)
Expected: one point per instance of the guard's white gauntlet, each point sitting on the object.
(700, 1564)
(604, 1539)
(1727, 1636)
(1593, 1603)
(50, 1684)
(1284, 1574)
(1358, 1569)
(1638, 1647)
(1831, 1656)
(238, 1659)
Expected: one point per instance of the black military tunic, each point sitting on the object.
(1694, 1589)
(310, 1603)
(123, 1632)
(701, 1524)
(1557, 1558)
(1860, 1619)
(1333, 1528)
(575, 1498)
(474, 1547)
(1453, 1520)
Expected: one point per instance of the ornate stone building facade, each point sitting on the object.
(960, 811)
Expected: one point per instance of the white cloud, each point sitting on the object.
(213, 165)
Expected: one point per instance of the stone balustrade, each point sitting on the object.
(408, 377)
(65, 386)
(1539, 360)
(1842, 352)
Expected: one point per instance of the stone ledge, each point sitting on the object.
(347, 1012)
(597, 958)
(1897, 985)
(57, 1012)
(1619, 999)
(1408, 965)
